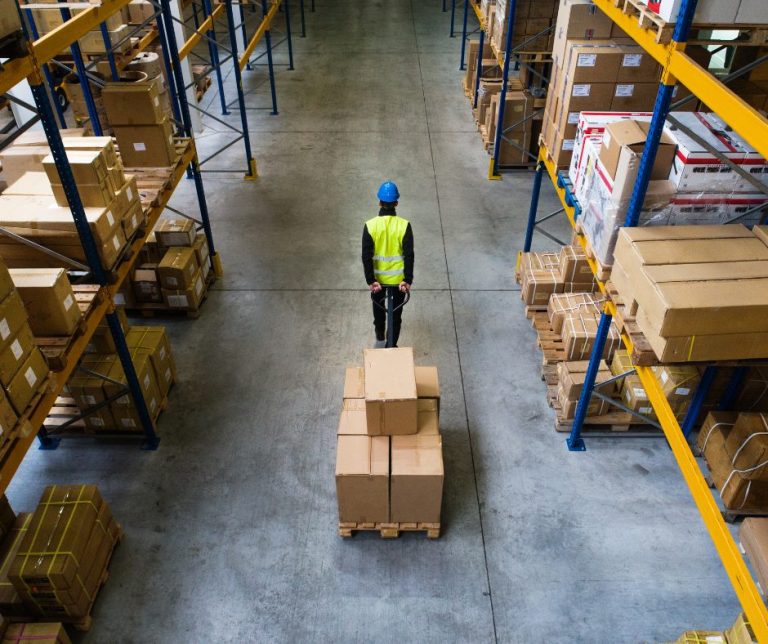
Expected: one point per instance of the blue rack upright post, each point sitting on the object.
(493, 170)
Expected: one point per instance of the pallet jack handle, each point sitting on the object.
(390, 309)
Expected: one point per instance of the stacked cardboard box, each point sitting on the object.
(543, 274)
(61, 561)
(753, 534)
(35, 206)
(23, 369)
(173, 267)
(690, 184)
(570, 383)
(532, 17)
(27, 152)
(389, 459)
(142, 128)
(49, 300)
(48, 19)
(77, 100)
(155, 368)
(735, 447)
(36, 633)
(699, 291)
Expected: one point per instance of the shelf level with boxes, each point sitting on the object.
(75, 171)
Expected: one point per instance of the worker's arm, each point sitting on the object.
(368, 256)
(408, 254)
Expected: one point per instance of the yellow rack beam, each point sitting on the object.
(743, 118)
(726, 547)
(266, 21)
(196, 37)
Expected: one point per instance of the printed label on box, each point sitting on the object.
(89, 400)
(645, 410)
(119, 299)
(134, 222)
(581, 90)
(172, 281)
(139, 147)
(682, 391)
(199, 286)
(639, 393)
(625, 90)
(68, 302)
(16, 349)
(152, 405)
(147, 381)
(129, 192)
(178, 301)
(5, 330)
(162, 353)
(632, 60)
(116, 243)
(31, 377)
(128, 422)
(586, 60)
(573, 118)
(568, 144)
(664, 377)
(168, 374)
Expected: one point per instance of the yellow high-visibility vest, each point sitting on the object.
(387, 232)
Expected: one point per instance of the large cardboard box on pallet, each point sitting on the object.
(416, 487)
(133, 103)
(15, 353)
(174, 232)
(13, 316)
(178, 267)
(146, 145)
(49, 300)
(427, 383)
(390, 391)
(362, 478)
(154, 341)
(747, 445)
(189, 298)
(147, 380)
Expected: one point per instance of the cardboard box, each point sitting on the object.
(561, 305)
(175, 232)
(416, 488)
(574, 266)
(6, 286)
(146, 284)
(737, 493)
(177, 269)
(624, 139)
(88, 167)
(49, 300)
(155, 342)
(747, 445)
(8, 417)
(25, 384)
(427, 382)
(716, 422)
(362, 479)
(753, 534)
(146, 145)
(390, 391)
(30, 184)
(538, 285)
(741, 632)
(579, 332)
(34, 633)
(65, 516)
(633, 396)
(13, 355)
(146, 376)
(571, 376)
(11, 604)
(352, 421)
(135, 103)
(679, 384)
(13, 316)
(200, 246)
(188, 299)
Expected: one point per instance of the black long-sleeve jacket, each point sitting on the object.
(368, 249)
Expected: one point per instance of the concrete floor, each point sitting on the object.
(230, 525)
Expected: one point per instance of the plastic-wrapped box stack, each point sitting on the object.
(389, 459)
(542, 275)
(62, 558)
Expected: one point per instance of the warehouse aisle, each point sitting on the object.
(230, 525)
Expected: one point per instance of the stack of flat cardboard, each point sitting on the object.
(735, 447)
(142, 128)
(173, 267)
(543, 274)
(389, 459)
(699, 292)
(61, 562)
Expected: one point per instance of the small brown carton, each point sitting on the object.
(390, 391)
(132, 103)
(13, 316)
(427, 383)
(177, 269)
(175, 232)
(189, 298)
(362, 478)
(49, 300)
(27, 381)
(15, 353)
(417, 478)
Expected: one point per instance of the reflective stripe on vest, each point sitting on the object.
(387, 232)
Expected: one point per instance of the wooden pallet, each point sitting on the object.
(65, 409)
(613, 421)
(390, 530)
(750, 35)
(551, 345)
(56, 349)
(642, 352)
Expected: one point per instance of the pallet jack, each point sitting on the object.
(390, 308)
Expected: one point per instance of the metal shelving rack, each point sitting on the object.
(676, 67)
(40, 52)
(504, 59)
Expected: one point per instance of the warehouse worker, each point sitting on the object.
(387, 259)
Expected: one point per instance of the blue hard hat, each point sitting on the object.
(388, 193)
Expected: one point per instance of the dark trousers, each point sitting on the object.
(380, 314)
